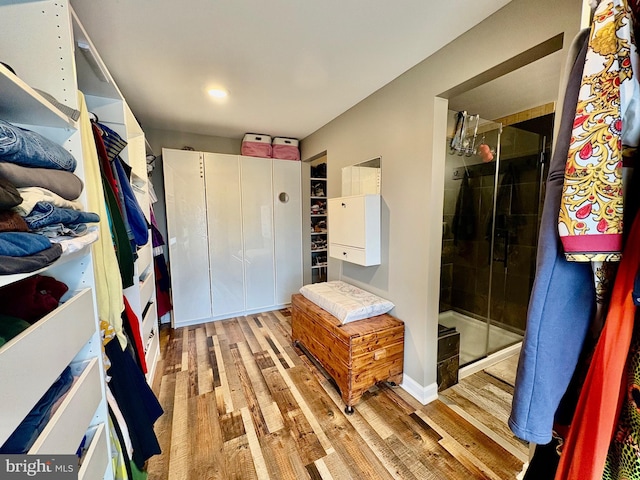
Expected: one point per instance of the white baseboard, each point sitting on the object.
(423, 394)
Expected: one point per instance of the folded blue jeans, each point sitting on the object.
(22, 244)
(30, 149)
(46, 213)
(61, 230)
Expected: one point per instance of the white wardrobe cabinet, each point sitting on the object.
(287, 219)
(187, 235)
(257, 232)
(355, 229)
(244, 228)
(225, 240)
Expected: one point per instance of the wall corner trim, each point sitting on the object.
(424, 395)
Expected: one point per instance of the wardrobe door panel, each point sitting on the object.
(257, 225)
(187, 233)
(287, 216)
(222, 175)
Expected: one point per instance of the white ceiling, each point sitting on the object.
(530, 86)
(290, 66)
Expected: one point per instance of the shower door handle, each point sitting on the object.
(505, 253)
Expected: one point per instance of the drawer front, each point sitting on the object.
(149, 321)
(368, 375)
(64, 431)
(147, 289)
(152, 352)
(367, 343)
(349, 254)
(380, 358)
(144, 258)
(94, 463)
(26, 351)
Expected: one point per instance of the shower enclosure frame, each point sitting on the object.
(507, 338)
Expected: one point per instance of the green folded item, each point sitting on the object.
(10, 327)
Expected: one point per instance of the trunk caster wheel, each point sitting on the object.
(348, 410)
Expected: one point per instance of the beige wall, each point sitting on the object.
(405, 124)
(159, 139)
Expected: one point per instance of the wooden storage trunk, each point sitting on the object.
(357, 355)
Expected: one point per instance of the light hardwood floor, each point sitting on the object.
(242, 403)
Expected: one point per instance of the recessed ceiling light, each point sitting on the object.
(218, 93)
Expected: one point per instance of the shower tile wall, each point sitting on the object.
(466, 262)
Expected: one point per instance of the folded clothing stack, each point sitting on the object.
(44, 171)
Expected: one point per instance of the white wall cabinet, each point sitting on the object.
(239, 218)
(355, 229)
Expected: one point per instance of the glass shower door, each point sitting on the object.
(518, 202)
(469, 198)
(490, 229)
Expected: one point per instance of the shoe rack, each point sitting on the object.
(319, 223)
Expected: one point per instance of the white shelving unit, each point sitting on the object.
(105, 100)
(41, 42)
(37, 44)
(319, 224)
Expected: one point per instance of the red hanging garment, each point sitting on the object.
(135, 331)
(585, 451)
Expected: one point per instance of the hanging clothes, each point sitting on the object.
(590, 220)
(585, 451)
(120, 462)
(124, 253)
(132, 325)
(557, 322)
(106, 270)
(136, 220)
(505, 229)
(136, 401)
(622, 459)
(463, 225)
(605, 132)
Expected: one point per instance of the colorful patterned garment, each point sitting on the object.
(590, 220)
(623, 460)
